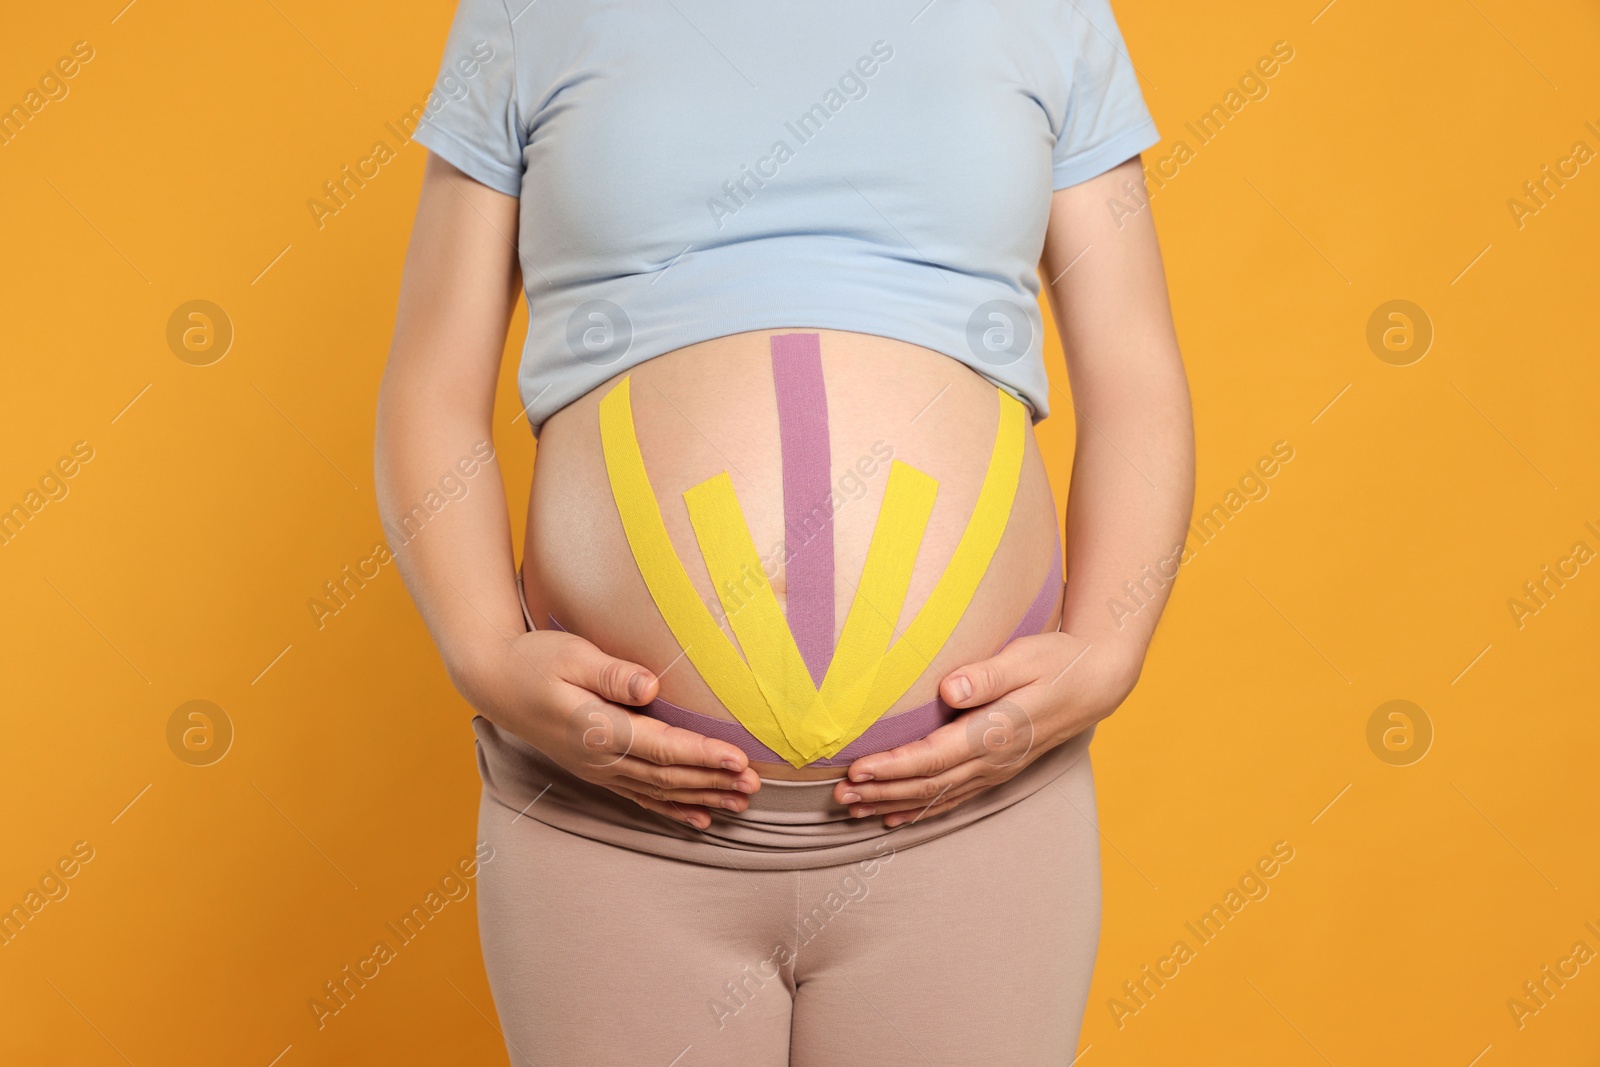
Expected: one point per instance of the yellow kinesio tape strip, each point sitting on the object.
(707, 647)
(811, 720)
(925, 637)
(764, 635)
(772, 695)
(891, 556)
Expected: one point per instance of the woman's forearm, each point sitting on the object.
(1132, 487)
(443, 508)
(1129, 504)
(440, 494)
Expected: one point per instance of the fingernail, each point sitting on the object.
(892, 821)
(730, 803)
(744, 786)
(863, 776)
(636, 686)
(962, 687)
(730, 765)
(863, 811)
(851, 798)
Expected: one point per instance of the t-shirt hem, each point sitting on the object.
(543, 394)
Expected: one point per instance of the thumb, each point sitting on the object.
(609, 678)
(990, 679)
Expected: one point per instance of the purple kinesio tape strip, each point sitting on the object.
(882, 735)
(807, 497)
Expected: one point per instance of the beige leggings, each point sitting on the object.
(973, 947)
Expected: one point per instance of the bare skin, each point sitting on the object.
(1133, 473)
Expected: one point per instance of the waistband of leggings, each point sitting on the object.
(787, 825)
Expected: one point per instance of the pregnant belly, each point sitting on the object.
(716, 409)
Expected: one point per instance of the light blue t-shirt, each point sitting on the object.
(689, 169)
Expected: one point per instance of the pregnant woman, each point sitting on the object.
(783, 720)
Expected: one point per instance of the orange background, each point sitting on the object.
(1379, 566)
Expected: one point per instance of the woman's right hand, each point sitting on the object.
(566, 698)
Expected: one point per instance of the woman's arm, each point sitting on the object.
(1130, 501)
(435, 409)
(436, 403)
(1132, 491)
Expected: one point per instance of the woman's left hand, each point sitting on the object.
(1038, 692)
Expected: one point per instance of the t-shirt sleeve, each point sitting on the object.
(472, 119)
(1105, 121)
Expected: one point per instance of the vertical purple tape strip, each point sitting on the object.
(807, 496)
